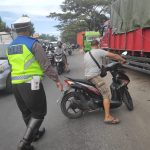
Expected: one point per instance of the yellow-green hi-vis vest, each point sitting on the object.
(23, 63)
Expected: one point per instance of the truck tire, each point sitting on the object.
(8, 84)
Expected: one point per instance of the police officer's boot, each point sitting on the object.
(39, 132)
(33, 127)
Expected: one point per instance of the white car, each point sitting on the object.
(5, 77)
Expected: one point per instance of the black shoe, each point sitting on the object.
(39, 135)
(23, 145)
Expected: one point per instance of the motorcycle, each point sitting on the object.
(81, 95)
(60, 65)
(69, 51)
(50, 55)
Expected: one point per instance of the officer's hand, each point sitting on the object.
(59, 85)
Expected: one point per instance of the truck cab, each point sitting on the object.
(84, 39)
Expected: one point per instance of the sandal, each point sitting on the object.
(112, 121)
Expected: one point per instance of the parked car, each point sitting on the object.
(5, 77)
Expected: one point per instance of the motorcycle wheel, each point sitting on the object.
(69, 52)
(69, 108)
(128, 100)
(59, 69)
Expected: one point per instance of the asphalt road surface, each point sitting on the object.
(88, 132)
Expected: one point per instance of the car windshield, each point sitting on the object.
(5, 40)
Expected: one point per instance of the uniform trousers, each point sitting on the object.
(32, 103)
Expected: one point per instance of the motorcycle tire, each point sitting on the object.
(128, 100)
(69, 52)
(74, 106)
(59, 70)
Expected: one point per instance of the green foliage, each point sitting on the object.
(3, 26)
(48, 37)
(81, 15)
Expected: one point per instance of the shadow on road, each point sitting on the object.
(3, 94)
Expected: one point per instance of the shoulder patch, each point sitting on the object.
(15, 49)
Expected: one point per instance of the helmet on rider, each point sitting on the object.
(88, 45)
(59, 44)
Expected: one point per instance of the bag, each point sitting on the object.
(103, 69)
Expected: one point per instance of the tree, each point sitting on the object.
(3, 26)
(81, 15)
(48, 37)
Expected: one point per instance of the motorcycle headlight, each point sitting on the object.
(1, 69)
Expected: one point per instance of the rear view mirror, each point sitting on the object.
(124, 53)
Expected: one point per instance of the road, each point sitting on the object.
(88, 132)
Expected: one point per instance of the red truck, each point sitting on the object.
(129, 30)
(80, 39)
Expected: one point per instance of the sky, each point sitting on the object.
(37, 10)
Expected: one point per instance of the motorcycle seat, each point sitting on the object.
(82, 81)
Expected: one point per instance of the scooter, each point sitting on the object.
(81, 95)
(69, 51)
(50, 55)
(60, 65)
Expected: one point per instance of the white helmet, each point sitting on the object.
(22, 22)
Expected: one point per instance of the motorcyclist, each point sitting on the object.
(60, 50)
(50, 53)
(92, 73)
(44, 46)
(51, 47)
(64, 45)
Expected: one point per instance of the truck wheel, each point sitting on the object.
(8, 84)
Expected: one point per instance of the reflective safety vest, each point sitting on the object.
(23, 63)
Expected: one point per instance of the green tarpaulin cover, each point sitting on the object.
(128, 15)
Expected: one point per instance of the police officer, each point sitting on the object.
(28, 63)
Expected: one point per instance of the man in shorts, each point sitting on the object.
(92, 73)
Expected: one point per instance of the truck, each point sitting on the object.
(5, 76)
(128, 30)
(84, 38)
